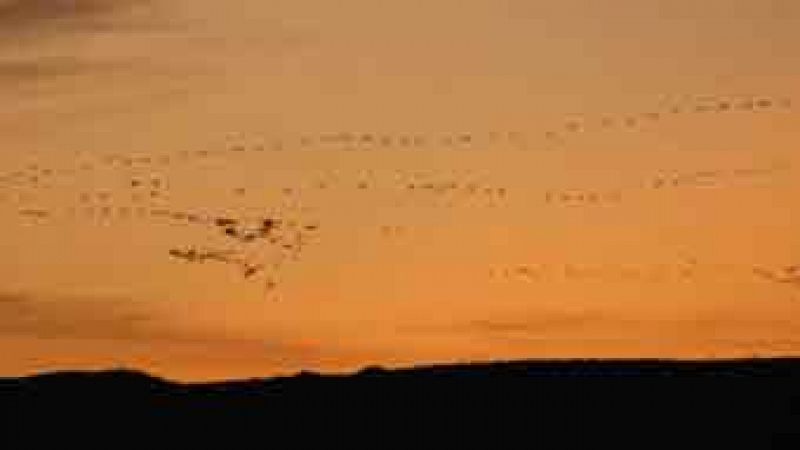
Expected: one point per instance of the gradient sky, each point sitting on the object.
(596, 210)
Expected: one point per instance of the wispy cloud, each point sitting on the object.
(555, 322)
(18, 72)
(40, 40)
(593, 325)
(77, 332)
(18, 16)
(24, 315)
(546, 323)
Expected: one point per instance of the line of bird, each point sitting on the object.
(153, 187)
(575, 271)
(99, 204)
(35, 173)
(135, 197)
(788, 275)
(573, 124)
(717, 177)
(244, 230)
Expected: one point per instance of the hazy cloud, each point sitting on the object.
(719, 324)
(43, 15)
(551, 322)
(40, 40)
(16, 71)
(88, 318)
(555, 322)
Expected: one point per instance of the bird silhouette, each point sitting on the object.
(250, 270)
(193, 255)
(38, 213)
(225, 222)
(786, 275)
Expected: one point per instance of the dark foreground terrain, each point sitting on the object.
(751, 404)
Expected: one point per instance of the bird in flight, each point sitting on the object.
(787, 275)
(191, 254)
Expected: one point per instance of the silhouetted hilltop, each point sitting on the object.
(755, 403)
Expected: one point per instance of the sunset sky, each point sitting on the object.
(474, 180)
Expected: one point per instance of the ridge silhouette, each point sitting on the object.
(753, 403)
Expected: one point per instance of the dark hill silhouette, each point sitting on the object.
(572, 404)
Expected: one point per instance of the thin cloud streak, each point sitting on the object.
(92, 318)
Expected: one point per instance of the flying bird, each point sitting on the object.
(789, 275)
(191, 254)
(250, 270)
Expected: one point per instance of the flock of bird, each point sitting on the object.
(687, 269)
(35, 175)
(285, 237)
(576, 197)
(717, 177)
(146, 197)
(702, 104)
(522, 140)
(143, 187)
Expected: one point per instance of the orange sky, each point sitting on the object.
(572, 196)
